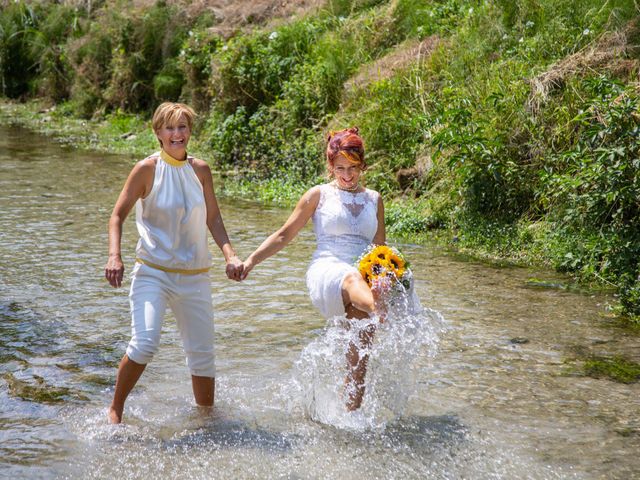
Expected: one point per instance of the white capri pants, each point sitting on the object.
(189, 297)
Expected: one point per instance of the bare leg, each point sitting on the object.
(203, 390)
(357, 361)
(128, 374)
(359, 302)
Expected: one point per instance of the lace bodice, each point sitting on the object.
(344, 222)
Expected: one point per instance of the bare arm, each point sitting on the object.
(215, 223)
(380, 238)
(281, 237)
(137, 186)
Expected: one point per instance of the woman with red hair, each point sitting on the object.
(347, 218)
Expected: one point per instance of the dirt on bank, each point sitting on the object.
(615, 52)
(235, 15)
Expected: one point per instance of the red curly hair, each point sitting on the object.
(347, 143)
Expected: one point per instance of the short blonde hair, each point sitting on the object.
(169, 113)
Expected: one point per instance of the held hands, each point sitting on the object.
(235, 269)
(248, 266)
(114, 270)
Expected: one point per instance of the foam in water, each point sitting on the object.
(408, 334)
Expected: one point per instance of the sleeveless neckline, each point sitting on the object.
(336, 187)
(174, 162)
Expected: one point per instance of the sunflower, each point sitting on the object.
(365, 269)
(397, 264)
(382, 261)
(380, 267)
(371, 271)
(363, 266)
(381, 252)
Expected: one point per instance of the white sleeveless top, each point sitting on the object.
(172, 219)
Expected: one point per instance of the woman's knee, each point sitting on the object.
(353, 283)
(357, 293)
(142, 349)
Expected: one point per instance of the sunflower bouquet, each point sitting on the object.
(380, 261)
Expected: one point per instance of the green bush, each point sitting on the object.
(167, 84)
(630, 295)
(314, 91)
(256, 145)
(592, 187)
(416, 18)
(147, 46)
(409, 218)
(195, 62)
(228, 135)
(597, 180)
(47, 44)
(91, 57)
(18, 66)
(251, 69)
(492, 183)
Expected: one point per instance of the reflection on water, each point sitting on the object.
(495, 402)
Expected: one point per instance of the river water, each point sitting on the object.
(494, 395)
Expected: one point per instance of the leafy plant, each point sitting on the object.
(18, 67)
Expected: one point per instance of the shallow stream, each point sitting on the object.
(493, 396)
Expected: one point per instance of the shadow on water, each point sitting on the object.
(28, 341)
(427, 434)
(422, 435)
(234, 434)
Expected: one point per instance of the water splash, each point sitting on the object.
(402, 343)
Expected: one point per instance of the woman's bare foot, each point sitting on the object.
(114, 416)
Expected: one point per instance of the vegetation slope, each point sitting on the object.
(510, 125)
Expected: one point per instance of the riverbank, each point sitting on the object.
(499, 128)
(130, 135)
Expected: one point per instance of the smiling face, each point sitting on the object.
(346, 173)
(175, 137)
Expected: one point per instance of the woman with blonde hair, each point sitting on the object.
(175, 206)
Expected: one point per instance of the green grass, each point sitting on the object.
(547, 176)
(617, 369)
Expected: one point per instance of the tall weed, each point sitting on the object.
(18, 66)
(249, 70)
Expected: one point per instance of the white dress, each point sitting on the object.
(345, 224)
